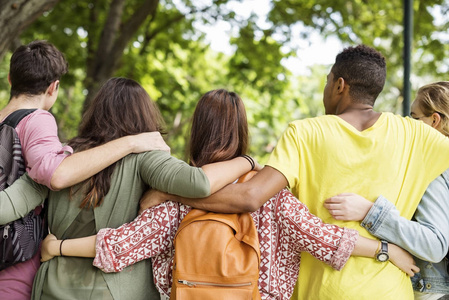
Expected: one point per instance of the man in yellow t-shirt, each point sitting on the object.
(351, 149)
(354, 148)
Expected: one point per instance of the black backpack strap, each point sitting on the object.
(15, 117)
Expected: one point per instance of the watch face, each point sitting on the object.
(382, 257)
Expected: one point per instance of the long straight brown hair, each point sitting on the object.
(219, 128)
(121, 107)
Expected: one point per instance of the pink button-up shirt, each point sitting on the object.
(43, 152)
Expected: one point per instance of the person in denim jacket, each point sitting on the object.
(427, 235)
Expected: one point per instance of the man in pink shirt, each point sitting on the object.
(35, 71)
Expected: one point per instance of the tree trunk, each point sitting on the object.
(116, 35)
(16, 15)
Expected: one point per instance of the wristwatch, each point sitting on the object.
(382, 253)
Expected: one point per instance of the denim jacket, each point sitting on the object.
(426, 237)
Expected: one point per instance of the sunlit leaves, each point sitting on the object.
(169, 56)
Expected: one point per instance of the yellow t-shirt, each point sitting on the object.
(324, 156)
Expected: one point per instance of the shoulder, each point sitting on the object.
(154, 154)
(152, 158)
(39, 119)
(147, 160)
(314, 121)
(411, 128)
(39, 114)
(405, 121)
(37, 125)
(310, 127)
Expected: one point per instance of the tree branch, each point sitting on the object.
(111, 26)
(150, 35)
(132, 25)
(16, 15)
(113, 41)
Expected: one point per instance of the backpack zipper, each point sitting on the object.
(5, 236)
(195, 283)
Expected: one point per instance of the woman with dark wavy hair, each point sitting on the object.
(111, 197)
(285, 226)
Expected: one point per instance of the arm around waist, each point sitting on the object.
(427, 236)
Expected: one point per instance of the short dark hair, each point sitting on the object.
(34, 67)
(364, 69)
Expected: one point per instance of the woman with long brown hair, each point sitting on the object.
(226, 133)
(285, 226)
(111, 197)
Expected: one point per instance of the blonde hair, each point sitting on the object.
(434, 98)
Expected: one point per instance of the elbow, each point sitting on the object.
(59, 182)
(202, 192)
(251, 200)
(436, 256)
(437, 252)
(249, 208)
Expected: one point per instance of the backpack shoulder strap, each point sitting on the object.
(15, 117)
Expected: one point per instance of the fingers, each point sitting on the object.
(333, 208)
(161, 147)
(333, 200)
(414, 269)
(165, 148)
(156, 141)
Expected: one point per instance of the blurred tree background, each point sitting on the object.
(161, 44)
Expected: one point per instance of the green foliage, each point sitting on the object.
(4, 85)
(171, 59)
(378, 24)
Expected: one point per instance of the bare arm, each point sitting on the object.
(348, 207)
(80, 247)
(222, 173)
(398, 256)
(234, 198)
(85, 247)
(82, 165)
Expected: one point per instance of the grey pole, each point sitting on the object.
(408, 36)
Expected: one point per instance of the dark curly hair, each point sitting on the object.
(364, 69)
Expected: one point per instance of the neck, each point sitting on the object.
(361, 116)
(353, 108)
(22, 102)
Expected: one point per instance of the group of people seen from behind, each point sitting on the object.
(350, 204)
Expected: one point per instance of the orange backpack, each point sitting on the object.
(217, 256)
